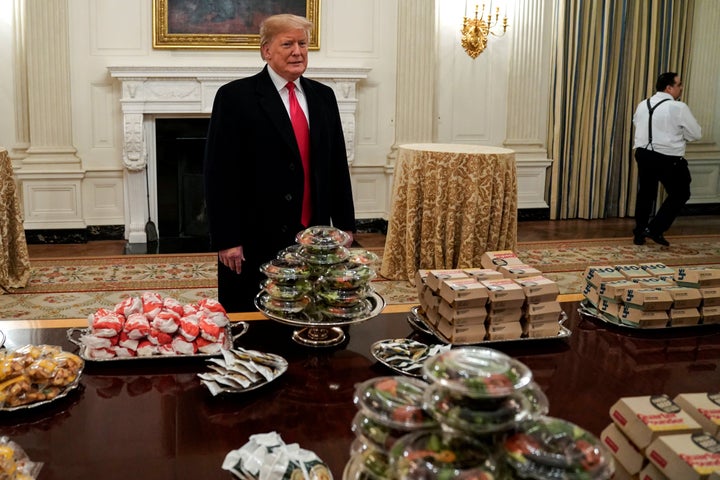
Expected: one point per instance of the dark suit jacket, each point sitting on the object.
(253, 171)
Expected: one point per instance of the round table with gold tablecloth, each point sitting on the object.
(14, 258)
(451, 204)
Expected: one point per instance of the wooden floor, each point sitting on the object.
(528, 231)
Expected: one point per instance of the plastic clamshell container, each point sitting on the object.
(291, 292)
(342, 298)
(549, 447)
(376, 434)
(284, 271)
(394, 401)
(347, 276)
(477, 372)
(361, 256)
(319, 238)
(330, 256)
(283, 306)
(484, 415)
(439, 454)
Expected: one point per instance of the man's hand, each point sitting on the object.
(232, 258)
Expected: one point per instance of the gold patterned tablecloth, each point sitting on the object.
(14, 258)
(451, 204)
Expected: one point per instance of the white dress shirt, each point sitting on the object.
(281, 85)
(672, 126)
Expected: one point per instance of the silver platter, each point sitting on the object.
(68, 388)
(420, 322)
(230, 338)
(587, 309)
(314, 318)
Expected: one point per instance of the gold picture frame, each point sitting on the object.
(223, 24)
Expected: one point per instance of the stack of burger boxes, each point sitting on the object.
(659, 438)
(652, 295)
(502, 299)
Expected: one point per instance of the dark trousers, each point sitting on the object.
(673, 173)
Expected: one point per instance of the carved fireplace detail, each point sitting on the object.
(170, 91)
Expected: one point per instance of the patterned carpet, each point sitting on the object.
(74, 288)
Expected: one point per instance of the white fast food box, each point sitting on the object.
(648, 299)
(472, 333)
(656, 282)
(710, 315)
(686, 456)
(698, 277)
(435, 276)
(683, 316)
(541, 330)
(710, 296)
(658, 269)
(608, 307)
(538, 289)
(644, 418)
(462, 316)
(684, 297)
(466, 292)
(601, 273)
(505, 315)
(644, 319)
(626, 454)
(483, 273)
(704, 408)
(504, 331)
(543, 312)
(591, 294)
(632, 271)
(499, 258)
(651, 472)
(504, 293)
(518, 271)
(615, 290)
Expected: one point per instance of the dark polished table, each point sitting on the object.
(152, 419)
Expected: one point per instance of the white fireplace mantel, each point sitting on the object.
(166, 91)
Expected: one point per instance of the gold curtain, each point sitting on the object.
(607, 57)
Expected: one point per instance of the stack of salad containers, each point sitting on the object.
(483, 418)
(319, 275)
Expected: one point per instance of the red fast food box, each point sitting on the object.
(644, 418)
(538, 289)
(623, 450)
(499, 258)
(686, 456)
(504, 293)
(648, 299)
(704, 408)
(595, 275)
(435, 276)
(632, 271)
(464, 292)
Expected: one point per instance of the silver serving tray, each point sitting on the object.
(230, 338)
(279, 363)
(313, 318)
(419, 319)
(408, 366)
(586, 308)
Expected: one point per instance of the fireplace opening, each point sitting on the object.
(182, 219)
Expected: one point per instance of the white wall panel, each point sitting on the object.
(119, 27)
(352, 28)
(103, 198)
(103, 107)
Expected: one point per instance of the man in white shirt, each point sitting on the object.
(663, 125)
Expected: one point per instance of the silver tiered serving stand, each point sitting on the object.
(318, 329)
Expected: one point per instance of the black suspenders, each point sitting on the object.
(651, 110)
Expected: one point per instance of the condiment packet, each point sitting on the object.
(267, 457)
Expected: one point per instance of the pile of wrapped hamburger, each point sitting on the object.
(652, 295)
(152, 325)
(503, 299)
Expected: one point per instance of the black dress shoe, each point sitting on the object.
(639, 239)
(656, 237)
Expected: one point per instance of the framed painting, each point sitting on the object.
(223, 23)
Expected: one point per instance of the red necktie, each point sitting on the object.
(302, 135)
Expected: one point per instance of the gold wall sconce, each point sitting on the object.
(475, 30)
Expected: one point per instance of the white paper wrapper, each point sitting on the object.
(267, 457)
